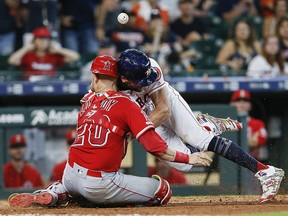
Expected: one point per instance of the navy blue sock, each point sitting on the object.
(235, 153)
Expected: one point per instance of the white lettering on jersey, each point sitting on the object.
(91, 113)
(107, 104)
(42, 66)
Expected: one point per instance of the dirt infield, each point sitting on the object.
(212, 205)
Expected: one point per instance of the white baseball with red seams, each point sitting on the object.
(123, 18)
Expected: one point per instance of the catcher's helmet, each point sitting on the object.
(104, 64)
(136, 66)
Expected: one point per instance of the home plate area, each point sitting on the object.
(196, 205)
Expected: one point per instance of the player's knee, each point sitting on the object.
(162, 194)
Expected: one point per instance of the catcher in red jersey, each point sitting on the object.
(105, 120)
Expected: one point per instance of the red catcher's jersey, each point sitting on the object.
(28, 178)
(95, 146)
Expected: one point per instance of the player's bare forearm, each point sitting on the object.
(162, 109)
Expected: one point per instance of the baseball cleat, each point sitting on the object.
(27, 199)
(270, 180)
(219, 125)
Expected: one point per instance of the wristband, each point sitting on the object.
(181, 157)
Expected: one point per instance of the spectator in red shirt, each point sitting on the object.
(58, 169)
(172, 175)
(41, 58)
(17, 172)
(257, 133)
(143, 10)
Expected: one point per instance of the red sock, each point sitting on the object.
(261, 166)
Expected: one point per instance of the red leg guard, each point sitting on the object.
(162, 194)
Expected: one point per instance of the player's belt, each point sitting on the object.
(92, 173)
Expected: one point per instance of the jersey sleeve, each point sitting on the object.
(137, 120)
(159, 82)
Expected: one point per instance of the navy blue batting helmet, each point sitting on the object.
(136, 66)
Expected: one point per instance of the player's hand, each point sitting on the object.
(200, 158)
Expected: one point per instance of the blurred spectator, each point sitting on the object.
(187, 27)
(233, 9)
(127, 5)
(17, 172)
(269, 23)
(127, 36)
(172, 7)
(78, 25)
(39, 14)
(143, 10)
(202, 7)
(40, 58)
(159, 41)
(267, 7)
(240, 48)
(58, 169)
(282, 33)
(256, 133)
(107, 18)
(270, 63)
(170, 174)
(106, 48)
(7, 25)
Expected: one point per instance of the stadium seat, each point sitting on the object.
(69, 71)
(86, 57)
(207, 51)
(4, 62)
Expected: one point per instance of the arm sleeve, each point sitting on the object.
(152, 142)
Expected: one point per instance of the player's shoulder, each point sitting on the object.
(122, 96)
(86, 97)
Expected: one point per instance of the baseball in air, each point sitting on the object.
(123, 18)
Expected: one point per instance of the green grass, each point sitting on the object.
(268, 214)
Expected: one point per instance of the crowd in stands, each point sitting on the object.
(45, 38)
